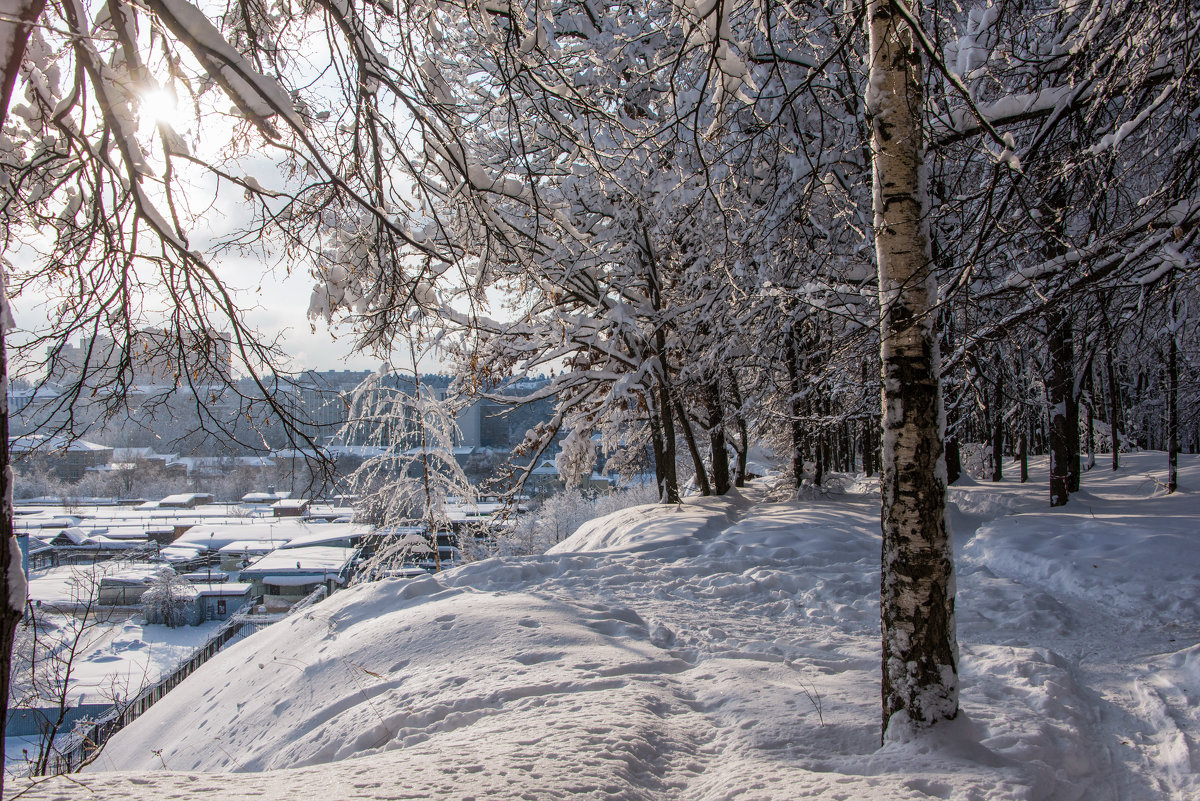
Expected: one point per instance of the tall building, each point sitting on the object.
(153, 357)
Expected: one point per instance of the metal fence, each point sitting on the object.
(88, 738)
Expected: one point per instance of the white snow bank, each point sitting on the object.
(717, 650)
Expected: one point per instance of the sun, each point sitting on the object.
(159, 105)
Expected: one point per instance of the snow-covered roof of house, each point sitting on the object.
(108, 544)
(547, 467)
(264, 497)
(295, 453)
(180, 553)
(228, 588)
(214, 536)
(361, 451)
(327, 511)
(185, 499)
(119, 532)
(73, 534)
(292, 503)
(132, 574)
(133, 453)
(202, 462)
(51, 444)
(248, 547)
(344, 535)
(125, 581)
(313, 560)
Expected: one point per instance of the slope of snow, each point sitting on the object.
(725, 648)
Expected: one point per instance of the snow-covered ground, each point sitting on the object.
(726, 648)
(122, 657)
(115, 654)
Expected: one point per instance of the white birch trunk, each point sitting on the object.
(920, 678)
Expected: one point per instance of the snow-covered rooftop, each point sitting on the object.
(315, 559)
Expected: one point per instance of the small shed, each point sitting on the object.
(123, 590)
(271, 496)
(291, 507)
(219, 601)
(283, 577)
(185, 500)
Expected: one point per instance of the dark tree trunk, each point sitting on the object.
(998, 428)
(669, 486)
(10, 612)
(1074, 438)
(819, 461)
(12, 599)
(742, 450)
(656, 443)
(1173, 404)
(1090, 417)
(868, 446)
(953, 460)
(791, 356)
(1114, 403)
(1059, 388)
(716, 437)
(847, 446)
(697, 459)
(1024, 455)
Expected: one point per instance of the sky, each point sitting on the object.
(275, 302)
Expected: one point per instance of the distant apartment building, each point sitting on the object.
(153, 358)
(69, 459)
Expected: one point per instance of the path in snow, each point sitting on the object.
(727, 648)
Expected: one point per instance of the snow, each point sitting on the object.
(129, 656)
(118, 658)
(218, 535)
(67, 585)
(718, 649)
(17, 586)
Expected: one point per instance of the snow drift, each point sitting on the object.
(726, 648)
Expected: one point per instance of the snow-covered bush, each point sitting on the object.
(168, 598)
(560, 515)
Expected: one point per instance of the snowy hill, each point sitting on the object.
(727, 648)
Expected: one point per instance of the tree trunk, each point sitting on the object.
(920, 672)
(1173, 403)
(1090, 416)
(792, 357)
(998, 428)
(693, 449)
(868, 446)
(953, 459)
(743, 454)
(1024, 455)
(818, 461)
(1114, 401)
(716, 437)
(14, 31)
(656, 443)
(12, 596)
(668, 487)
(1059, 387)
(1074, 439)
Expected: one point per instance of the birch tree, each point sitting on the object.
(920, 673)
